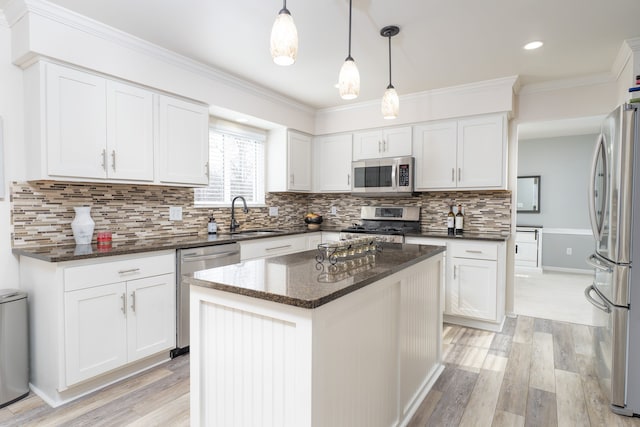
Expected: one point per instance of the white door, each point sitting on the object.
(434, 148)
(473, 289)
(481, 152)
(129, 132)
(299, 158)
(95, 331)
(151, 316)
(184, 142)
(396, 142)
(76, 123)
(333, 163)
(367, 145)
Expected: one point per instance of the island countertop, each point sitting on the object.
(299, 280)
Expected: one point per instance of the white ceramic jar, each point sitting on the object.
(82, 225)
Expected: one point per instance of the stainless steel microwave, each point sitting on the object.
(392, 175)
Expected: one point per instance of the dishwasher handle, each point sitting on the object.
(194, 258)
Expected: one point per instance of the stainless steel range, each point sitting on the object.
(385, 223)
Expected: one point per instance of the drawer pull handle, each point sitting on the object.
(455, 270)
(472, 251)
(131, 270)
(278, 247)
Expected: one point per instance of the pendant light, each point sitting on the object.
(349, 78)
(390, 100)
(284, 38)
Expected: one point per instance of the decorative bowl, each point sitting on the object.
(313, 220)
(313, 227)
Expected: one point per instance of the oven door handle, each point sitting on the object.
(599, 305)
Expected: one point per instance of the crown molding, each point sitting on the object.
(16, 9)
(590, 80)
(512, 81)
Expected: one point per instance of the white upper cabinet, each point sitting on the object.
(129, 132)
(81, 126)
(332, 163)
(184, 142)
(388, 142)
(288, 161)
(461, 154)
(76, 123)
(299, 161)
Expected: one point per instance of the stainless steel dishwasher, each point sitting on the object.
(188, 261)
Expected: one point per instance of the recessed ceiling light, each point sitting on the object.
(242, 120)
(533, 45)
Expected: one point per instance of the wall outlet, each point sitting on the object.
(334, 210)
(273, 211)
(569, 251)
(175, 213)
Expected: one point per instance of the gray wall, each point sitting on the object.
(564, 166)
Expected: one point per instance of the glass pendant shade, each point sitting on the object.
(349, 80)
(390, 103)
(284, 39)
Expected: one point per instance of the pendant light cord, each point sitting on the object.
(390, 85)
(350, 8)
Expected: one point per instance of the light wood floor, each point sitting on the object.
(535, 373)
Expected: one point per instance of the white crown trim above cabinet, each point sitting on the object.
(81, 126)
(464, 154)
(288, 161)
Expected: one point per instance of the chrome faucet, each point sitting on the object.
(245, 209)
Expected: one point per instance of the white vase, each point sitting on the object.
(82, 225)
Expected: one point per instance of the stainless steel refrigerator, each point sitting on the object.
(614, 209)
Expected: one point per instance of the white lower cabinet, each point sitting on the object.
(475, 281)
(111, 325)
(95, 321)
(95, 330)
(472, 290)
(273, 246)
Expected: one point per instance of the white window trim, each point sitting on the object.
(242, 132)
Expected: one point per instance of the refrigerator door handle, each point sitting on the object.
(597, 232)
(597, 304)
(594, 261)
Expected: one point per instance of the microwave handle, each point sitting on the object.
(394, 174)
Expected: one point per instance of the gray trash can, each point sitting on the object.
(14, 346)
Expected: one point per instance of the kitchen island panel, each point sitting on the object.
(367, 358)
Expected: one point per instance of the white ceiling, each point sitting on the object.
(441, 42)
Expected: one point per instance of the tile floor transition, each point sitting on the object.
(554, 296)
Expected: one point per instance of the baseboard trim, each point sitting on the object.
(567, 270)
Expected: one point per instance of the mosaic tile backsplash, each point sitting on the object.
(41, 212)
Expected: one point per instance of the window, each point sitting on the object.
(236, 168)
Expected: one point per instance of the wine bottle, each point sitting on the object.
(451, 221)
(459, 220)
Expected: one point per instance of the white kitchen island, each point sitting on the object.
(285, 342)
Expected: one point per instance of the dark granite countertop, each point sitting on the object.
(306, 283)
(62, 253)
(494, 237)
